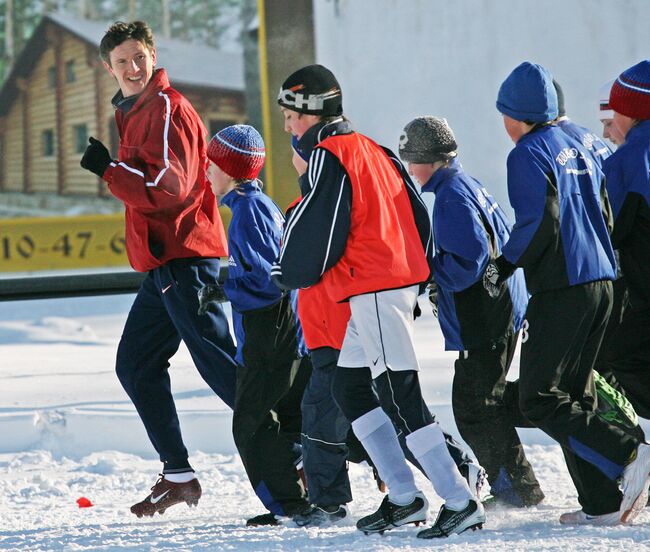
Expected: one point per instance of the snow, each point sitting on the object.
(69, 431)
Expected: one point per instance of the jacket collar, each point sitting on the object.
(249, 188)
(316, 134)
(642, 128)
(159, 81)
(441, 175)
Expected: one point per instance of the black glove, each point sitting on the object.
(496, 273)
(96, 158)
(433, 297)
(210, 293)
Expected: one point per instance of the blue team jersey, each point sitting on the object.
(469, 230)
(562, 216)
(254, 236)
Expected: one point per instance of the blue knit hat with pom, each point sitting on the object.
(528, 94)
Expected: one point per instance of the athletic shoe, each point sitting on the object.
(455, 521)
(262, 519)
(580, 518)
(511, 500)
(391, 515)
(320, 516)
(636, 477)
(475, 476)
(165, 494)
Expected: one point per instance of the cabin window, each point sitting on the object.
(51, 77)
(70, 75)
(80, 133)
(47, 142)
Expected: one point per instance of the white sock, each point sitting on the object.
(428, 445)
(377, 435)
(183, 477)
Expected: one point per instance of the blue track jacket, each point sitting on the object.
(593, 143)
(253, 244)
(628, 185)
(469, 230)
(563, 216)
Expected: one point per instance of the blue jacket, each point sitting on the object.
(562, 214)
(469, 230)
(628, 186)
(253, 244)
(593, 143)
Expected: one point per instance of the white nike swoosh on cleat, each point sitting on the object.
(166, 288)
(158, 498)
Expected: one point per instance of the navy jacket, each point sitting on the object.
(469, 230)
(253, 244)
(628, 186)
(317, 232)
(563, 216)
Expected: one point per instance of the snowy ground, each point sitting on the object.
(67, 430)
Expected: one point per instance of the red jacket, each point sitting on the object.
(383, 249)
(160, 177)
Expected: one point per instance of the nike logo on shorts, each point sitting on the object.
(164, 290)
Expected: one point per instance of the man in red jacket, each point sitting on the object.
(173, 232)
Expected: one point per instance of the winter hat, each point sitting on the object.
(605, 111)
(561, 112)
(427, 140)
(238, 150)
(630, 95)
(312, 90)
(528, 94)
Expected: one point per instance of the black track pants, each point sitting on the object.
(266, 417)
(487, 423)
(557, 391)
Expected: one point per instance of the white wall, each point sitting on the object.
(397, 59)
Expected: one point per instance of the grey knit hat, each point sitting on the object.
(427, 140)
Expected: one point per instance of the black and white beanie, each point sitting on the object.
(312, 90)
(427, 140)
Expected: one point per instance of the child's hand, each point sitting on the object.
(299, 163)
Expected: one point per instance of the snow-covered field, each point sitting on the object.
(67, 430)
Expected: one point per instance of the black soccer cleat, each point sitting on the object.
(320, 516)
(391, 515)
(455, 521)
(263, 520)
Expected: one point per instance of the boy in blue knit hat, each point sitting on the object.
(273, 367)
(561, 239)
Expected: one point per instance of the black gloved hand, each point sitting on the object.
(433, 297)
(210, 293)
(495, 275)
(491, 280)
(96, 158)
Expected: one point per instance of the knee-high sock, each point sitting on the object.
(377, 435)
(428, 445)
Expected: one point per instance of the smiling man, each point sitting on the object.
(173, 232)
